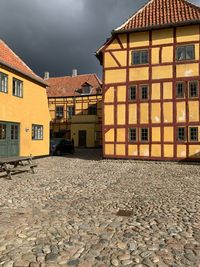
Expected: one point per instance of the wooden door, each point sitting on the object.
(9, 139)
(82, 138)
(14, 140)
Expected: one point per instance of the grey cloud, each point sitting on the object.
(59, 35)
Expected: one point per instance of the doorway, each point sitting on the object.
(82, 138)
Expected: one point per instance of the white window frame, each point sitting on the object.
(37, 132)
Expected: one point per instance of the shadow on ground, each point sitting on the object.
(85, 154)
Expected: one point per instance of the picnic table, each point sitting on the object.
(16, 164)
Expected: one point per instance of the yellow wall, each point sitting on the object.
(89, 128)
(81, 120)
(31, 109)
(161, 78)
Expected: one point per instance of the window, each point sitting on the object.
(193, 134)
(86, 90)
(70, 112)
(193, 89)
(37, 132)
(140, 57)
(181, 134)
(92, 110)
(59, 112)
(3, 82)
(132, 135)
(14, 132)
(185, 52)
(2, 131)
(132, 93)
(17, 88)
(180, 90)
(144, 92)
(144, 134)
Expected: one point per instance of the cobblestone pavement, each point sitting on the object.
(66, 214)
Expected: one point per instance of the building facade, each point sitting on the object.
(24, 114)
(75, 105)
(151, 74)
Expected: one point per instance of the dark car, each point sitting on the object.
(61, 146)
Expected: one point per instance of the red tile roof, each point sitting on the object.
(66, 86)
(159, 13)
(10, 59)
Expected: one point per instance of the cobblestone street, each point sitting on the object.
(66, 214)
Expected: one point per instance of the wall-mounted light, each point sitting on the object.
(26, 130)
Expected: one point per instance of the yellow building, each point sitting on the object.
(151, 73)
(75, 104)
(24, 114)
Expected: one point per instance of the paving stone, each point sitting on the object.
(67, 214)
(115, 262)
(73, 262)
(8, 264)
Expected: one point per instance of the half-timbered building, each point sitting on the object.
(151, 74)
(75, 104)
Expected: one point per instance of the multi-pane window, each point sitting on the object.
(144, 92)
(70, 112)
(132, 93)
(37, 132)
(140, 57)
(144, 134)
(2, 131)
(3, 82)
(59, 112)
(186, 52)
(181, 134)
(193, 131)
(14, 132)
(92, 109)
(17, 88)
(180, 90)
(132, 135)
(193, 89)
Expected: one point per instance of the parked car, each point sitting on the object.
(61, 146)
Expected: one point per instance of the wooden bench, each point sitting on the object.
(16, 164)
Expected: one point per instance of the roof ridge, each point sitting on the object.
(148, 17)
(135, 14)
(190, 4)
(27, 70)
(17, 56)
(98, 80)
(60, 77)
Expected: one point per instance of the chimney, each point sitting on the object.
(74, 72)
(46, 75)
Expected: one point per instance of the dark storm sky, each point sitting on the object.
(59, 35)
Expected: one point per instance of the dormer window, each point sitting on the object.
(86, 89)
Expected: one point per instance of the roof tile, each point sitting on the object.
(161, 12)
(66, 86)
(10, 59)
